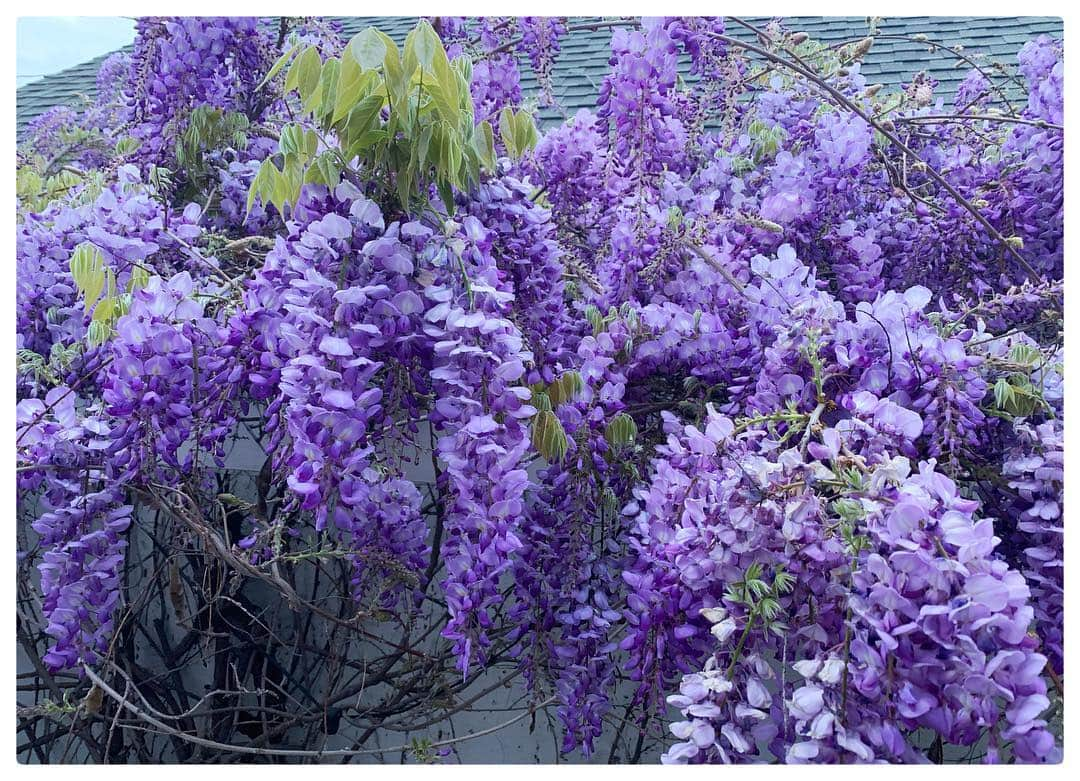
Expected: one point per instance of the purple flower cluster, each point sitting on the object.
(1035, 469)
(540, 39)
(479, 372)
(893, 572)
(167, 386)
(123, 222)
(331, 338)
(183, 62)
(80, 575)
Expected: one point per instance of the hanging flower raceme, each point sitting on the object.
(480, 414)
(167, 386)
(1035, 468)
(180, 63)
(334, 339)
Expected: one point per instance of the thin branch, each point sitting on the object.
(840, 98)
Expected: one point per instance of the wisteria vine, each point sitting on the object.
(728, 412)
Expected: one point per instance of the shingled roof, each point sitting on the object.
(583, 61)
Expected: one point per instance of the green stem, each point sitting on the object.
(739, 647)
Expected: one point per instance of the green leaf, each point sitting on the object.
(95, 283)
(277, 66)
(265, 185)
(304, 74)
(274, 188)
(28, 183)
(353, 83)
(362, 119)
(324, 170)
(621, 430)
(548, 436)
(1003, 393)
(453, 160)
(1025, 354)
(395, 76)
(125, 146)
(566, 388)
(484, 143)
(323, 98)
(464, 67)
(88, 271)
(405, 186)
(298, 142)
(288, 184)
(524, 132)
(368, 48)
(541, 401)
(365, 141)
(139, 279)
(104, 310)
(419, 161)
(506, 131)
(784, 582)
(424, 42)
(98, 333)
(595, 318)
(446, 192)
(445, 91)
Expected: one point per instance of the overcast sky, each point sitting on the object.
(47, 44)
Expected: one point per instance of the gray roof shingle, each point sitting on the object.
(583, 61)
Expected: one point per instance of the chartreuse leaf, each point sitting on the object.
(140, 278)
(126, 146)
(264, 184)
(517, 130)
(353, 84)
(446, 193)
(28, 183)
(296, 141)
(566, 388)
(362, 119)
(88, 271)
(277, 66)
(548, 436)
(422, 147)
(1025, 354)
(506, 131)
(103, 312)
(540, 400)
(304, 73)
(621, 430)
(453, 159)
(445, 90)
(322, 99)
(463, 66)
(404, 115)
(524, 132)
(324, 170)
(1003, 393)
(395, 77)
(368, 48)
(423, 42)
(484, 144)
(98, 333)
(595, 318)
